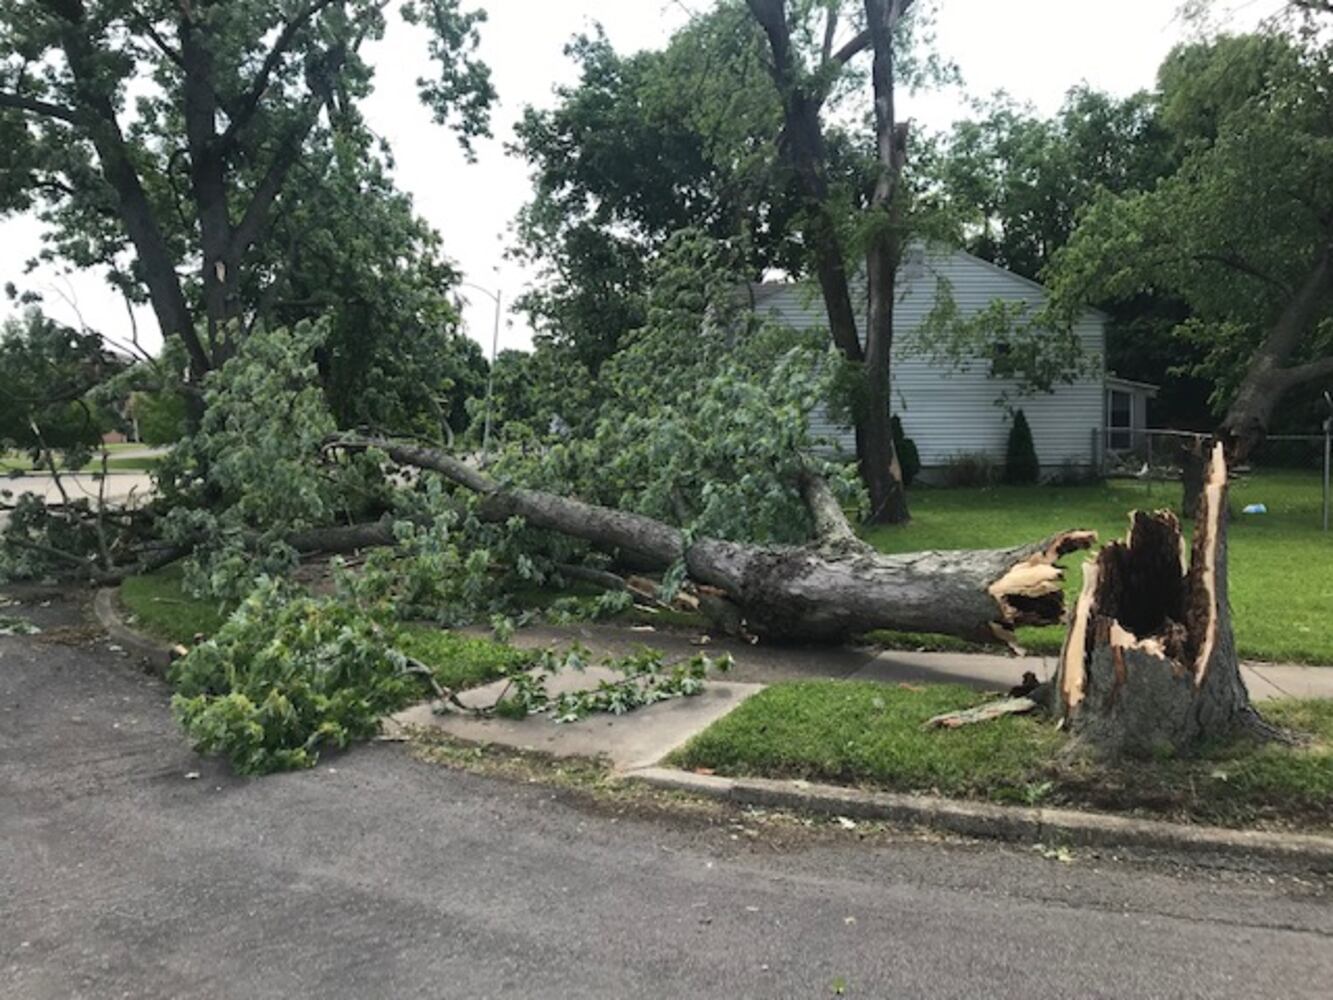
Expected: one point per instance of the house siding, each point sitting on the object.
(947, 410)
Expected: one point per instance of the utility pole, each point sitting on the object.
(490, 371)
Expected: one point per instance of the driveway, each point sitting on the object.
(376, 875)
(119, 486)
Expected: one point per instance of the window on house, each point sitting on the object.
(1120, 419)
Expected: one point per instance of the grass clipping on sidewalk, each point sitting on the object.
(870, 735)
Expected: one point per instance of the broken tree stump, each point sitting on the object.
(1149, 663)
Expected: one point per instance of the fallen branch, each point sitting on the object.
(590, 574)
(818, 592)
(982, 713)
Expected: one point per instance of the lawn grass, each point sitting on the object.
(851, 732)
(1281, 563)
(871, 735)
(12, 462)
(461, 661)
(159, 607)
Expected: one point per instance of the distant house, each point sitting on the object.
(950, 410)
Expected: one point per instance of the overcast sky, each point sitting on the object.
(1034, 49)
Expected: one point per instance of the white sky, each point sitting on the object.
(1034, 49)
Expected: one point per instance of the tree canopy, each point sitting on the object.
(184, 146)
(1241, 231)
(641, 146)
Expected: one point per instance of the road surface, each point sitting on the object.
(376, 875)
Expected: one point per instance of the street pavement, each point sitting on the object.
(116, 487)
(378, 875)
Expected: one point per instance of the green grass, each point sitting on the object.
(160, 608)
(870, 735)
(1281, 563)
(14, 462)
(864, 733)
(461, 661)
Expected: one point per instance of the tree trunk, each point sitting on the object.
(1268, 376)
(1150, 663)
(805, 151)
(880, 468)
(1193, 469)
(830, 591)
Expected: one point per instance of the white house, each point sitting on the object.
(951, 410)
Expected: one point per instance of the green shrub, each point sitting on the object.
(286, 676)
(908, 457)
(1020, 460)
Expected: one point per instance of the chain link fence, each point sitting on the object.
(1156, 456)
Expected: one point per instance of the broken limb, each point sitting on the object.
(983, 713)
(799, 592)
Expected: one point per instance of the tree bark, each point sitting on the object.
(1267, 376)
(830, 591)
(1149, 663)
(880, 467)
(804, 149)
(97, 115)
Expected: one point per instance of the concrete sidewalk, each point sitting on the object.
(628, 742)
(648, 735)
(766, 663)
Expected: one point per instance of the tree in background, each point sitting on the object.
(1241, 231)
(1017, 183)
(50, 371)
(158, 416)
(177, 186)
(640, 147)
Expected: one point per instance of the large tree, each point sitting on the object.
(164, 140)
(807, 64)
(701, 134)
(642, 146)
(1241, 231)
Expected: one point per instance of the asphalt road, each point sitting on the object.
(377, 875)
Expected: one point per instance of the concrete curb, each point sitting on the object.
(972, 819)
(1012, 823)
(155, 655)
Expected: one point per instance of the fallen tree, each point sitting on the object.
(830, 590)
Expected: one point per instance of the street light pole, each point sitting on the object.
(490, 383)
(495, 297)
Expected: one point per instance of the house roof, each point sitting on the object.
(1116, 382)
(759, 291)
